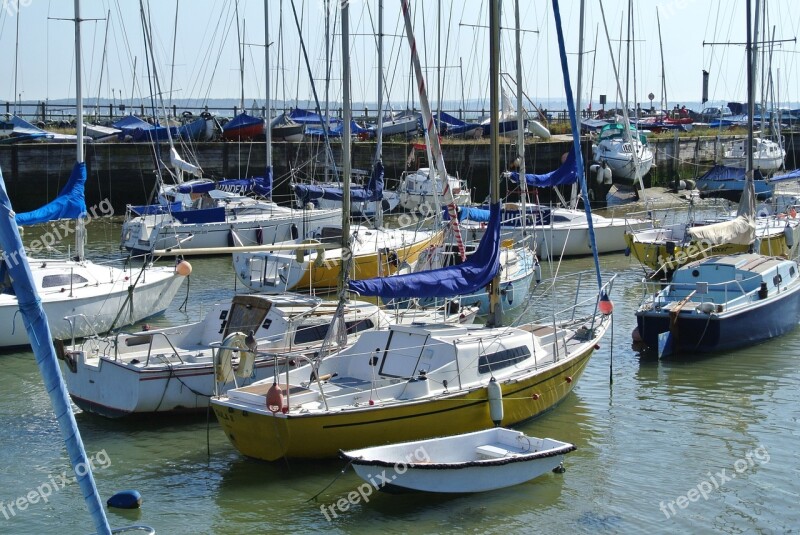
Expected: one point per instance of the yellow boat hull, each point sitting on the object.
(656, 257)
(267, 437)
(325, 274)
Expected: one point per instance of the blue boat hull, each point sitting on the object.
(696, 333)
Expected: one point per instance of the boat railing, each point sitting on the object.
(661, 294)
(141, 338)
(71, 320)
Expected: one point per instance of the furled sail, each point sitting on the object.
(564, 175)
(70, 203)
(372, 192)
(179, 163)
(468, 277)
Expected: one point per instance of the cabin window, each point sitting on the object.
(502, 359)
(791, 272)
(308, 334)
(62, 279)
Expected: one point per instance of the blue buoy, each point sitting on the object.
(125, 499)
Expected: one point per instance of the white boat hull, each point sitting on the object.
(471, 462)
(143, 234)
(153, 294)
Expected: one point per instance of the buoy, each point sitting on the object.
(275, 398)
(125, 499)
(495, 394)
(605, 305)
(184, 268)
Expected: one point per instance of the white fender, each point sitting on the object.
(495, 395)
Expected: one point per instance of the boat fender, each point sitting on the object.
(223, 365)
(275, 398)
(788, 235)
(259, 235)
(627, 251)
(183, 268)
(605, 305)
(294, 232)
(125, 499)
(763, 291)
(608, 177)
(706, 307)
(537, 272)
(508, 293)
(495, 395)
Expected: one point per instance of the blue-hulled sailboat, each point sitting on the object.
(724, 302)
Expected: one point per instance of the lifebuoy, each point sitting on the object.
(223, 361)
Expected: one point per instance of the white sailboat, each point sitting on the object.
(95, 298)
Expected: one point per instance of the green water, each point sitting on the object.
(661, 430)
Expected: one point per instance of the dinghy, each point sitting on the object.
(471, 462)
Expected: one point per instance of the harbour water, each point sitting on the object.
(697, 445)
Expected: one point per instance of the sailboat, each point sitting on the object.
(371, 251)
(724, 302)
(419, 381)
(81, 297)
(201, 216)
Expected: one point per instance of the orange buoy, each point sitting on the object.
(275, 398)
(184, 268)
(605, 305)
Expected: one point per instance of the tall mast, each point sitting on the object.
(748, 200)
(174, 43)
(523, 183)
(346, 132)
(578, 88)
(240, 49)
(80, 230)
(495, 310)
(431, 132)
(267, 101)
(664, 101)
(379, 143)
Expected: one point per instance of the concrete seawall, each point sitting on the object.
(124, 173)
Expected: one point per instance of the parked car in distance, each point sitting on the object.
(714, 113)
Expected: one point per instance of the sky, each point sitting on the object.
(206, 61)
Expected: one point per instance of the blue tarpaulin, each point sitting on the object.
(470, 276)
(70, 203)
(791, 175)
(564, 175)
(372, 192)
(720, 173)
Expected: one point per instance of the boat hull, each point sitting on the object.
(144, 234)
(704, 333)
(300, 435)
(152, 296)
(144, 391)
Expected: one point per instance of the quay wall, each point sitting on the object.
(123, 173)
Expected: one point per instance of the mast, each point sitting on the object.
(664, 101)
(432, 133)
(523, 183)
(80, 229)
(267, 103)
(346, 132)
(747, 202)
(581, 28)
(495, 310)
(174, 43)
(379, 133)
(240, 49)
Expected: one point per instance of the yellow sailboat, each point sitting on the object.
(424, 380)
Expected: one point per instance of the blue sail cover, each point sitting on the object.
(565, 175)
(70, 203)
(373, 192)
(791, 175)
(242, 120)
(470, 276)
(309, 117)
(197, 187)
